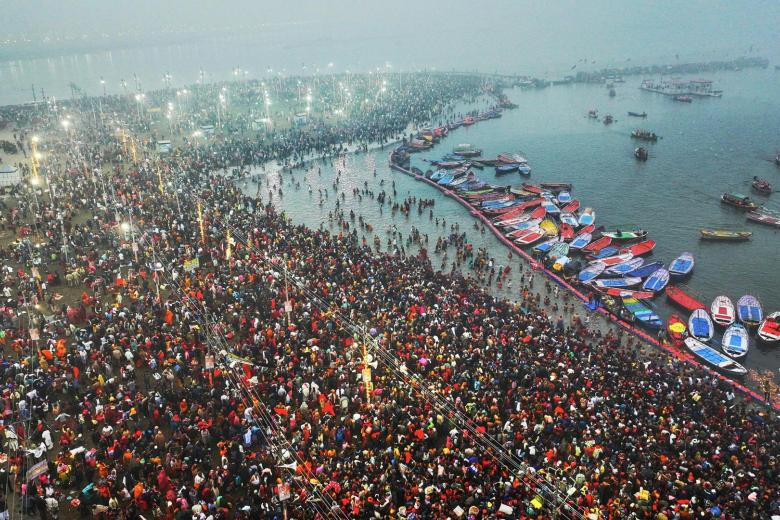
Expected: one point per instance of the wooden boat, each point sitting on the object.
(682, 299)
(714, 358)
(511, 158)
(646, 270)
(546, 245)
(507, 168)
(722, 311)
(532, 189)
(617, 282)
(587, 217)
(564, 197)
(533, 236)
(571, 207)
(628, 293)
(749, 311)
(642, 313)
(762, 186)
(683, 99)
(560, 249)
(640, 248)
(550, 206)
(516, 230)
(636, 234)
(625, 267)
(644, 135)
(735, 341)
(608, 119)
(580, 241)
(681, 266)
(597, 245)
(556, 186)
(593, 114)
(466, 150)
(637, 114)
(641, 153)
(605, 252)
(591, 272)
(676, 328)
(764, 217)
(738, 201)
(568, 218)
(769, 329)
(549, 227)
(725, 235)
(616, 259)
(566, 231)
(656, 281)
(700, 325)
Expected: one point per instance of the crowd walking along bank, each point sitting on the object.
(176, 348)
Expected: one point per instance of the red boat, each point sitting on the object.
(675, 326)
(764, 218)
(566, 231)
(571, 207)
(629, 293)
(539, 212)
(640, 249)
(587, 229)
(532, 189)
(597, 245)
(683, 299)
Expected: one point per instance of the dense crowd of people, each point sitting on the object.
(206, 358)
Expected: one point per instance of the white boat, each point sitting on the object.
(769, 330)
(735, 341)
(714, 358)
(587, 217)
(722, 311)
(700, 325)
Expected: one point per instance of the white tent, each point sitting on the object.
(9, 176)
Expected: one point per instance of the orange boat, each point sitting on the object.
(683, 299)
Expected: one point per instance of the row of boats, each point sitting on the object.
(563, 236)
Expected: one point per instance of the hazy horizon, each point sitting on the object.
(49, 43)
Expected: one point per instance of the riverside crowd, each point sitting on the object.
(218, 367)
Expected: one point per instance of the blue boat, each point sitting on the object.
(714, 358)
(446, 179)
(749, 311)
(607, 283)
(626, 267)
(581, 241)
(606, 252)
(547, 245)
(564, 197)
(591, 272)
(524, 169)
(646, 270)
(507, 168)
(568, 218)
(656, 281)
(681, 266)
(700, 325)
(551, 208)
(438, 174)
(735, 341)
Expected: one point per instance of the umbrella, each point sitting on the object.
(677, 327)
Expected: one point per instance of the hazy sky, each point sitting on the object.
(593, 28)
(149, 38)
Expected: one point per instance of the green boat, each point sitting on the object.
(634, 234)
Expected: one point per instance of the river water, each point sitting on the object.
(707, 147)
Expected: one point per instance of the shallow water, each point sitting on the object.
(708, 147)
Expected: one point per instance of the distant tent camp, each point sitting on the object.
(9, 176)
